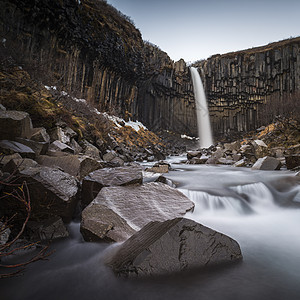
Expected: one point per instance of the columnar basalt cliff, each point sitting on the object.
(93, 51)
(246, 89)
(86, 47)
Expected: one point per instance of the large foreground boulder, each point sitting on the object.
(171, 246)
(121, 176)
(117, 212)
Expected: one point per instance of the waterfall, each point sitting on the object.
(204, 128)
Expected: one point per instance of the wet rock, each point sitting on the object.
(51, 229)
(198, 160)
(120, 176)
(10, 147)
(75, 165)
(14, 124)
(52, 192)
(117, 212)
(172, 246)
(59, 146)
(240, 163)
(192, 154)
(292, 161)
(267, 163)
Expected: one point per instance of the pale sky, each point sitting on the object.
(194, 30)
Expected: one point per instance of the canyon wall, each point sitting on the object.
(90, 50)
(87, 48)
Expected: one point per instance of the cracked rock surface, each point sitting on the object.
(172, 246)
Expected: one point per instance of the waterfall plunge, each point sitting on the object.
(204, 129)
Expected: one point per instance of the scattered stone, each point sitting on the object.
(232, 147)
(51, 229)
(192, 154)
(76, 147)
(240, 163)
(117, 212)
(160, 167)
(59, 146)
(292, 161)
(267, 163)
(172, 246)
(10, 147)
(120, 176)
(62, 134)
(118, 162)
(14, 124)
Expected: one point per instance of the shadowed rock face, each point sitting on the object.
(123, 210)
(172, 246)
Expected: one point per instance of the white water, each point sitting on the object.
(204, 128)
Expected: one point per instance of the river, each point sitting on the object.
(257, 208)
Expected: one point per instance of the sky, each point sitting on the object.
(194, 30)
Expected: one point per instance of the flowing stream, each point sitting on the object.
(260, 209)
(203, 121)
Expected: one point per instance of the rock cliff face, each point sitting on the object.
(245, 89)
(93, 51)
(86, 47)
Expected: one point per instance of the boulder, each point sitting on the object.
(15, 165)
(118, 162)
(40, 135)
(240, 163)
(120, 176)
(109, 156)
(58, 146)
(63, 134)
(38, 147)
(267, 163)
(10, 147)
(51, 229)
(52, 192)
(260, 148)
(76, 165)
(172, 246)
(232, 147)
(292, 161)
(90, 150)
(117, 212)
(4, 159)
(192, 154)
(14, 124)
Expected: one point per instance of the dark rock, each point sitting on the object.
(16, 165)
(6, 158)
(120, 176)
(267, 163)
(52, 192)
(14, 124)
(38, 147)
(4, 233)
(40, 135)
(10, 147)
(59, 146)
(117, 212)
(2, 107)
(90, 150)
(75, 165)
(51, 229)
(171, 246)
(63, 134)
(292, 161)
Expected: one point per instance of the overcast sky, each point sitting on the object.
(193, 30)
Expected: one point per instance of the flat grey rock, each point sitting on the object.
(267, 163)
(122, 210)
(120, 176)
